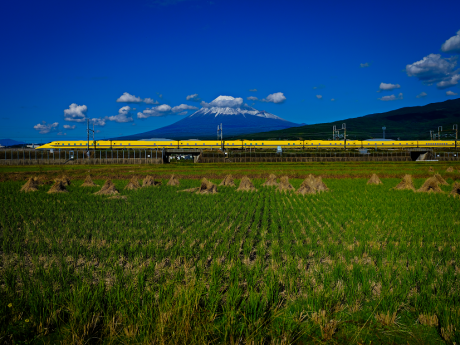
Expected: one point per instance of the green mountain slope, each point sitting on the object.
(411, 123)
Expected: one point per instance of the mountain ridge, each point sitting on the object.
(410, 123)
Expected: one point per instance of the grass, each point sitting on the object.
(359, 264)
(189, 170)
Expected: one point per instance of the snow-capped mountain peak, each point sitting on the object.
(236, 117)
(228, 105)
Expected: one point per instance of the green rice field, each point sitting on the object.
(358, 264)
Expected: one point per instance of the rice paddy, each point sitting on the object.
(295, 260)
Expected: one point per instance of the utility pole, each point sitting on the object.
(384, 132)
(334, 129)
(456, 135)
(219, 130)
(439, 132)
(431, 135)
(344, 127)
(87, 133)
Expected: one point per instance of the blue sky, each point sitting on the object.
(63, 62)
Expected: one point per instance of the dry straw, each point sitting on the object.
(374, 180)
(311, 185)
(450, 169)
(42, 179)
(455, 189)
(88, 182)
(431, 170)
(246, 185)
(207, 187)
(284, 185)
(441, 180)
(107, 189)
(58, 187)
(150, 181)
(30, 186)
(65, 180)
(133, 184)
(228, 181)
(173, 181)
(431, 185)
(271, 181)
(406, 183)
(189, 190)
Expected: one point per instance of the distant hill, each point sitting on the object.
(411, 123)
(10, 142)
(236, 118)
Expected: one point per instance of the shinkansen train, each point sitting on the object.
(242, 144)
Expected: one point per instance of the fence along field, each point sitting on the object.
(357, 263)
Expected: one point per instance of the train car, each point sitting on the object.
(244, 144)
(200, 144)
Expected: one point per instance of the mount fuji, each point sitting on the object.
(237, 118)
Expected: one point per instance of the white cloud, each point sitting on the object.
(193, 98)
(69, 126)
(452, 44)
(123, 116)
(252, 98)
(319, 96)
(332, 99)
(435, 69)
(183, 113)
(44, 128)
(451, 93)
(127, 98)
(421, 95)
(60, 133)
(449, 82)
(388, 87)
(149, 101)
(75, 113)
(253, 90)
(98, 121)
(391, 97)
(364, 65)
(277, 97)
(161, 110)
(224, 102)
(182, 107)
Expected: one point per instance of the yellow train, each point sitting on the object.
(241, 144)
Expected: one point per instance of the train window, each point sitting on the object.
(262, 143)
(289, 144)
(293, 144)
(320, 143)
(187, 143)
